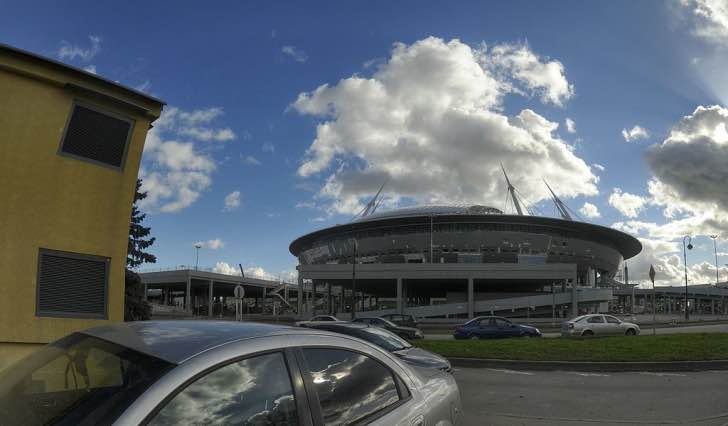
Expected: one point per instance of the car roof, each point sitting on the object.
(356, 325)
(178, 340)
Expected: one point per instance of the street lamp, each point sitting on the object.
(715, 249)
(685, 264)
(197, 254)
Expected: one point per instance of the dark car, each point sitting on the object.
(493, 328)
(404, 332)
(402, 319)
(389, 341)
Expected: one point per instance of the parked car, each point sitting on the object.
(389, 341)
(402, 319)
(206, 372)
(318, 318)
(403, 332)
(493, 328)
(598, 325)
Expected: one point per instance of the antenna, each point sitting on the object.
(512, 191)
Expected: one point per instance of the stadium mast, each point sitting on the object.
(373, 204)
(560, 206)
(512, 191)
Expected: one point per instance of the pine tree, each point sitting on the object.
(136, 254)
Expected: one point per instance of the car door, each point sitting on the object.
(505, 328)
(596, 324)
(613, 326)
(486, 328)
(254, 390)
(347, 387)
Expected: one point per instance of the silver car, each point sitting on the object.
(598, 325)
(205, 372)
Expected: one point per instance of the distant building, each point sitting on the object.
(70, 147)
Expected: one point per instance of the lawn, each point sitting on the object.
(675, 347)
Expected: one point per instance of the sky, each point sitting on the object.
(286, 117)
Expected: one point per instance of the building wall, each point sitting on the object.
(57, 202)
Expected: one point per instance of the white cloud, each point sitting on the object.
(207, 134)
(709, 19)
(250, 160)
(628, 204)
(144, 86)
(599, 167)
(232, 201)
(173, 170)
(90, 68)
(635, 133)
(211, 244)
(429, 122)
(294, 53)
(570, 125)
(68, 51)
(256, 272)
(268, 147)
(589, 210)
(305, 205)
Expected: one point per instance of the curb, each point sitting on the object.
(587, 366)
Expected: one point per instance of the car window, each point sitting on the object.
(254, 391)
(612, 320)
(349, 385)
(597, 319)
(500, 322)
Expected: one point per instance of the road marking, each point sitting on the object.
(589, 374)
(506, 371)
(649, 373)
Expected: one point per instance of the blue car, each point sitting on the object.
(493, 328)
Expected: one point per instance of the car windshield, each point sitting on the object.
(375, 335)
(79, 379)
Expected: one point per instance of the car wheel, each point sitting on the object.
(587, 333)
(630, 332)
(474, 337)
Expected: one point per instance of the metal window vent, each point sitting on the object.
(96, 136)
(71, 285)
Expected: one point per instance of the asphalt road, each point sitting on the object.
(509, 397)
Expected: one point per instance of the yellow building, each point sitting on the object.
(70, 146)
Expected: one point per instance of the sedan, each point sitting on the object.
(207, 372)
(598, 325)
(493, 328)
(389, 341)
(405, 320)
(403, 332)
(317, 319)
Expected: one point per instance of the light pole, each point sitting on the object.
(197, 254)
(685, 264)
(715, 250)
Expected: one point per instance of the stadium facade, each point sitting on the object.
(462, 260)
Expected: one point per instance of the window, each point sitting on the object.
(349, 385)
(500, 322)
(254, 391)
(597, 319)
(71, 285)
(611, 319)
(96, 136)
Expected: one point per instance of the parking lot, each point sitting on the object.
(509, 397)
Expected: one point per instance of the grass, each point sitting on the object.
(675, 347)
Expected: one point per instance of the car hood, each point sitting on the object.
(528, 327)
(424, 359)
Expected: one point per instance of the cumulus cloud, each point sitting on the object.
(211, 244)
(256, 272)
(429, 121)
(232, 201)
(570, 125)
(250, 160)
(207, 134)
(268, 147)
(709, 19)
(635, 133)
(589, 210)
(628, 204)
(599, 167)
(69, 51)
(294, 53)
(174, 170)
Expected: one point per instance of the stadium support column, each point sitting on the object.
(471, 298)
(188, 294)
(144, 296)
(210, 300)
(399, 295)
(574, 300)
(299, 296)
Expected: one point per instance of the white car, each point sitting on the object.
(598, 325)
(326, 319)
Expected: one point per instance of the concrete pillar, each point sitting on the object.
(299, 297)
(144, 296)
(471, 298)
(399, 296)
(329, 308)
(210, 300)
(574, 301)
(712, 306)
(188, 295)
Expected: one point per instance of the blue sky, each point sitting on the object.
(231, 74)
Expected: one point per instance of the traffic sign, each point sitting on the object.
(239, 292)
(652, 274)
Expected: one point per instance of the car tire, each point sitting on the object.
(587, 333)
(474, 337)
(630, 332)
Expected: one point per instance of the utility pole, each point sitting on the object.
(685, 263)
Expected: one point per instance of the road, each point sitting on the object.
(508, 397)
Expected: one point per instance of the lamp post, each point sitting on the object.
(197, 254)
(715, 250)
(685, 264)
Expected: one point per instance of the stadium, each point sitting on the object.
(461, 261)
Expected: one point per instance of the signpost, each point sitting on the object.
(654, 299)
(239, 293)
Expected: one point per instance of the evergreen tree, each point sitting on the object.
(136, 254)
